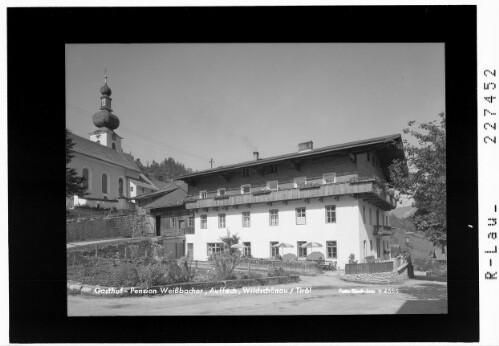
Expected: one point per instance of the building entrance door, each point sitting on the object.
(158, 225)
(378, 247)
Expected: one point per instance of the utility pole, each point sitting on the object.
(211, 163)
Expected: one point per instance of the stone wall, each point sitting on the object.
(377, 278)
(122, 226)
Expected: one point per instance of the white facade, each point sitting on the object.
(348, 230)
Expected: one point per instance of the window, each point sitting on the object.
(204, 221)
(190, 221)
(273, 168)
(131, 188)
(221, 192)
(272, 185)
(332, 251)
(113, 146)
(203, 194)
(370, 216)
(245, 172)
(85, 173)
(364, 214)
(246, 219)
(301, 216)
(371, 244)
(368, 157)
(245, 189)
(274, 250)
(173, 222)
(247, 249)
(104, 183)
(190, 250)
(273, 217)
(120, 186)
(329, 178)
(300, 181)
(302, 251)
(214, 248)
(221, 220)
(330, 213)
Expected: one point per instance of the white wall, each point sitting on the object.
(345, 231)
(97, 167)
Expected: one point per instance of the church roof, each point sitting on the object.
(103, 153)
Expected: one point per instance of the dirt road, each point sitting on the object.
(320, 295)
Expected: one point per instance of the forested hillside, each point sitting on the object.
(163, 171)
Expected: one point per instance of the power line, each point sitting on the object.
(137, 134)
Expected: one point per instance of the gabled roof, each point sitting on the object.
(353, 147)
(159, 184)
(172, 195)
(87, 147)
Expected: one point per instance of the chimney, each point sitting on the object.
(256, 156)
(306, 146)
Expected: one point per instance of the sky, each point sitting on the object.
(196, 102)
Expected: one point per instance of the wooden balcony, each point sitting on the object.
(176, 232)
(382, 230)
(367, 190)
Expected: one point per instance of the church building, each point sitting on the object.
(112, 176)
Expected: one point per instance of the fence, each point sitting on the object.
(368, 268)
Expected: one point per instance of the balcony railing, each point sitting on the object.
(382, 230)
(177, 232)
(366, 189)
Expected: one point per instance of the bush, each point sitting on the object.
(225, 263)
(154, 274)
(276, 272)
(351, 259)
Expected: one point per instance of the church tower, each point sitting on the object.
(106, 122)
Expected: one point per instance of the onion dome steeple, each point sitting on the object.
(105, 117)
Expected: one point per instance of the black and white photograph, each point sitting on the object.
(256, 179)
(249, 174)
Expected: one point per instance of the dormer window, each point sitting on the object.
(203, 194)
(329, 178)
(300, 181)
(221, 192)
(272, 185)
(245, 189)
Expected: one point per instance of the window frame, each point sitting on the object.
(222, 217)
(295, 182)
(333, 245)
(218, 247)
(89, 179)
(272, 249)
(247, 249)
(203, 194)
(203, 221)
(328, 216)
(272, 181)
(106, 193)
(304, 217)
(245, 172)
(300, 249)
(273, 168)
(190, 221)
(220, 190)
(329, 174)
(276, 218)
(242, 189)
(246, 216)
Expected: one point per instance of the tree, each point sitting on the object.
(230, 240)
(75, 185)
(422, 176)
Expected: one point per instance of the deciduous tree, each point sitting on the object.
(422, 177)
